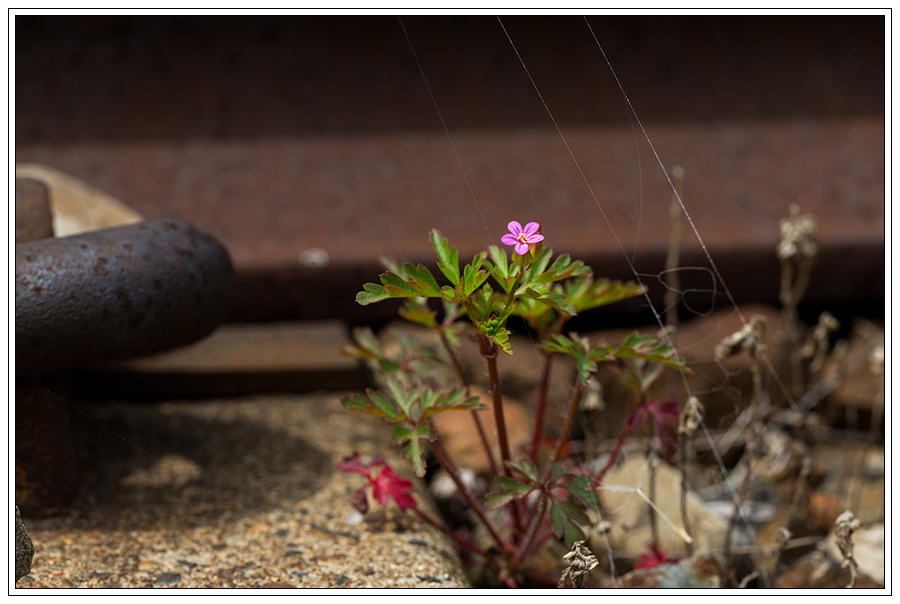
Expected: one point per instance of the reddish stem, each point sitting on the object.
(489, 351)
(533, 527)
(465, 382)
(541, 406)
(564, 437)
(459, 540)
(612, 458)
(490, 354)
(467, 495)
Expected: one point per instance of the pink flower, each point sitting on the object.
(521, 238)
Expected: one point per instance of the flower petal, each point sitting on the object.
(509, 239)
(531, 228)
(521, 248)
(535, 238)
(514, 227)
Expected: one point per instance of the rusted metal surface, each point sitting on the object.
(357, 200)
(117, 293)
(46, 464)
(310, 143)
(33, 218)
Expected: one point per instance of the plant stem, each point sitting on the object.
(533, 528)
(489, 351)
(684, 490)
(541, 406)
(612, 458)
(465, 382)
(467, 495)
(456, 538)
(490, 354)
(654, 527)
(564, 436)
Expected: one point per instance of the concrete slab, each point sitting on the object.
(238, 493)
(234, 360)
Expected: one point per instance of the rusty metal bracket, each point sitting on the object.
(117, 293)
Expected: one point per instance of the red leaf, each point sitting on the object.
(386, 484)
(665, 420)
(354, 464)
(389, 484)
(655, 558)
(359, 500)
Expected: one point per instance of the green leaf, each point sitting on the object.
(554, 300)
(585, 293)
(376, 404)
(564, 523)
(365, 346)
(405, 401)
(649, 348)
(577, 347)
(394, 266)
(581, 489)
(371, 293)
(447, 257)
(497, 500)
(502, 272)
(636, 340)
(538, 266)
(413, 450)
(525, 467)
(396, 286)
(513, 486)
(473, 277)
(562, 268)
(422, 281)
(454, 400)
(493, 328)
(509, 489)
(418, 313)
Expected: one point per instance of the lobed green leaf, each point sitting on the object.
(371, 293)
(422, 281)
(418, 313)
(525, 467)
(447, 256)
(413, 450)
(581, 489)
(378, 406)
(564, 524)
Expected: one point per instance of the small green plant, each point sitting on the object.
(539, 495)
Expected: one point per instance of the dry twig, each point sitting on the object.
(844, 527)
(581, 562)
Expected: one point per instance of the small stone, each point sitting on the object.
(24, 548)
(868, 551)
(623, 504)
(699, 572)
(816, 571)
(429, 579)
(169, 578)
